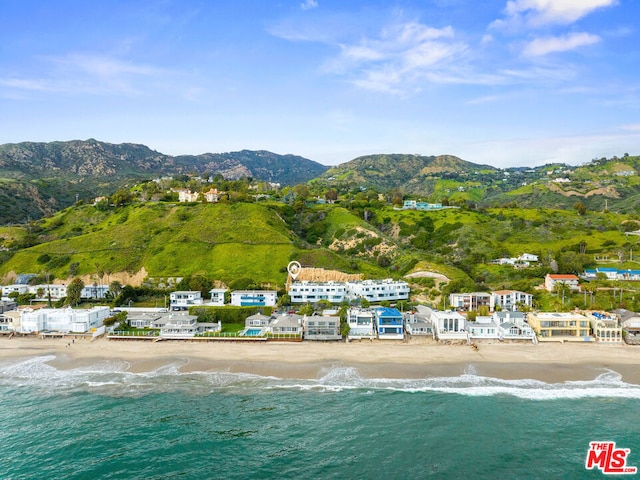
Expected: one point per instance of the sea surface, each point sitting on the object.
(104, 422)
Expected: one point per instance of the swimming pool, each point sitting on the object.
(252, 332)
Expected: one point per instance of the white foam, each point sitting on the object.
(115, 378)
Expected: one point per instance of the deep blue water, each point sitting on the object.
(102, 422)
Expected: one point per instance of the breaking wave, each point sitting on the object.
(114, 378)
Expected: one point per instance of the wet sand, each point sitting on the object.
(551, 363)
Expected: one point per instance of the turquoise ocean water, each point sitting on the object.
(103, 422)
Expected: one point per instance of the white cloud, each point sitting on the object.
(401, 55)
(537, 13)
(545, 45)
(308, 4)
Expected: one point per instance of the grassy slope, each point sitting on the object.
(228, 240)
(222, 241)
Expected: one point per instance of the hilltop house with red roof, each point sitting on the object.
(551, 280)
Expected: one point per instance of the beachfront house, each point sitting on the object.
(472, 301)
(257, 321)
(361, 324)
(513, 326)
(179, 326)
(143, 319)
(389, 324)
(484, 327)
(605, 326)
(447, 325)
(217, 297)
(254, 298)
(417, 324)
(560, 326)
(183, 326)
(287, 325)
(7, 305)
(512, 299)
(321, 327)
(63, 320)
(551, 280)
(182, 300)
(630, 322)
(10, 321)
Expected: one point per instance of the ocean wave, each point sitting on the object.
(116, 379)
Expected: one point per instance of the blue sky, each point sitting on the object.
(501, 82)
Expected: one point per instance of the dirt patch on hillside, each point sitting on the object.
(423, 274)
(604, 191)
(322, 275)
(125, 278)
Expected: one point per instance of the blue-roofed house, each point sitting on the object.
(630, 275)
(389, 323)
(613, 274)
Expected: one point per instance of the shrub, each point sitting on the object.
(44, 258)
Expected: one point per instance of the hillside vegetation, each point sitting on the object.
(227, 242)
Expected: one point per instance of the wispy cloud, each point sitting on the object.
(86, 73)
(546, 45)
(27, 84)
(400, 55)
(309, 4)
(538, 13)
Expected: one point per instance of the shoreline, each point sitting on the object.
(551, 363)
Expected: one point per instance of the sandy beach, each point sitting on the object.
(551, 363)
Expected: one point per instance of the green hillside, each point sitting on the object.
(255, 241)
(222, 241)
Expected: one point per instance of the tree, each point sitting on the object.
(306, 309)
(321, 305)
(115, 288)
(74, 291)
(344, 324)
(121, 197)
(284, 300)
(580, 207)
(301, 190)
(197, 283)
(331, 195)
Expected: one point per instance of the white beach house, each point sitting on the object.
(254, 298)
(378, 290)
(311, 292)
(63, 320)
(361, 324)
(182, 300)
